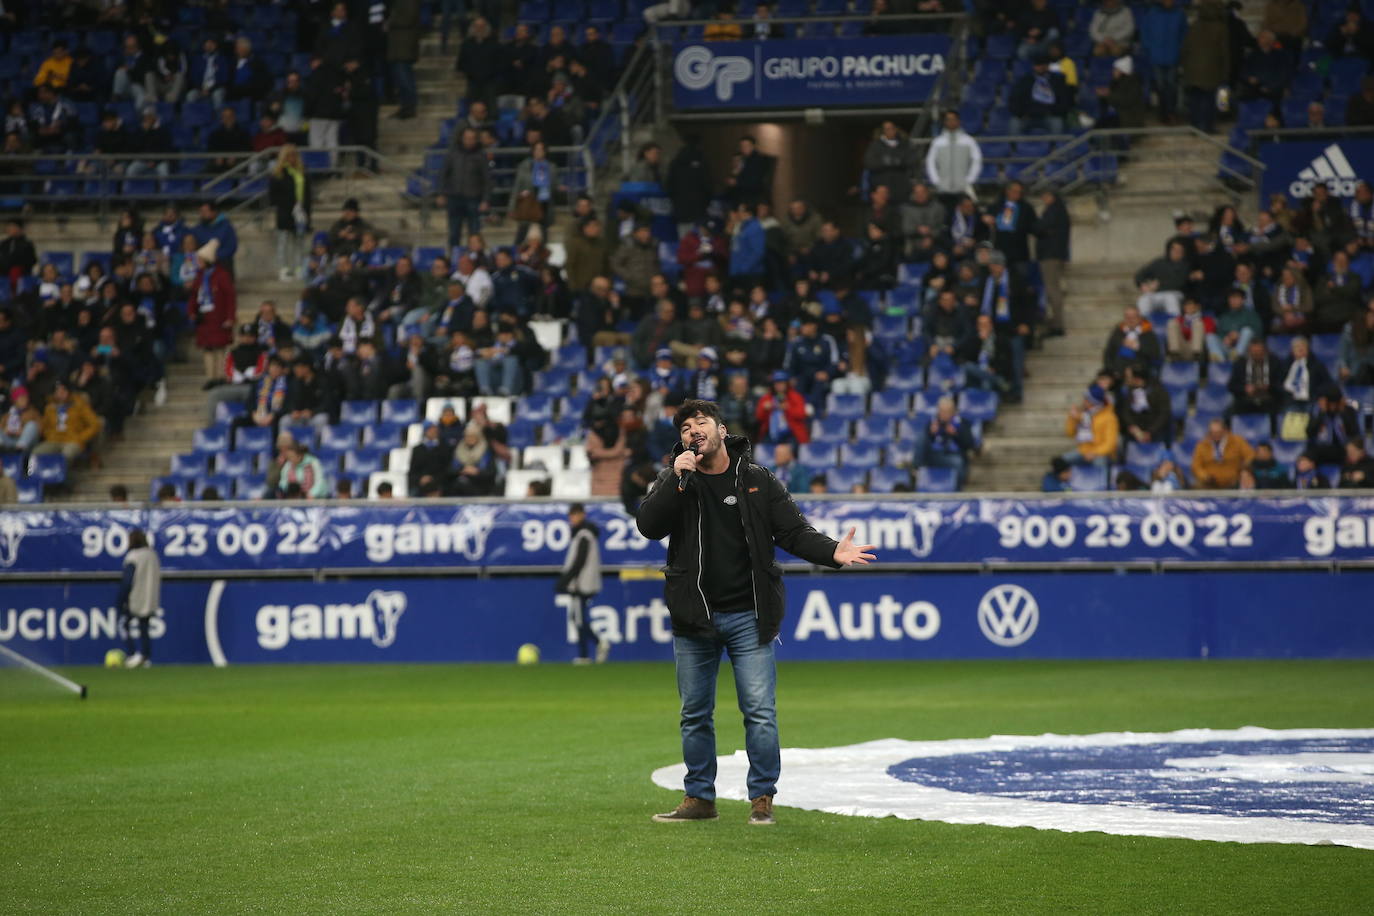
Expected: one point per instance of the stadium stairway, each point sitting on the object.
(1108, 248)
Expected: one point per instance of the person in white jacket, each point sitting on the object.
(140, 592)
(953, 163)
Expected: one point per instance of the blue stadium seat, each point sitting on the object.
(848, 406)
(521, 432)
(14, 465)
(1194, 429)
(977, 405)
(1252, 427)
(48, 470)
(223, 484)
(884, 479)
(341, 436)
(887, 326)
(251, 486)
(890, 403)
(763, 454)
(860, 455)
(1001, 46)
(1327, 348)
(937, 480)
(1219, 374)
(1179, 375)
(1213, 400)
(1288, 453)
(64, 261)
(400, 410)
(306, 434)
(425, 256)
(252, 439)
(1087, 479)
(29, 490)
(830, 429)
(235, 464)
(572, 357)
(188, 467)
(819, 454)
(555, 382)
(1145, 453)
(573, 405)
(228, 411)
(843, 479)
(364, 460)
(563, 429)
(944, 374)
(384, 435)
(358, 413)
(924, 405)
(877, 430)
(157, 483)
(211, 439)
(1280, 345)
(537, 408)
(900, 452)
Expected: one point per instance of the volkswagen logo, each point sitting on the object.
(1008, 615)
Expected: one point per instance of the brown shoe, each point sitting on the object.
(691, 809)
(761, 810)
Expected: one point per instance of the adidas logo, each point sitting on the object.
(1332, 169)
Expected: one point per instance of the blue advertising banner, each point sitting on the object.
(1293, 167)
(829, 617)
(808, 72)
(390, 536)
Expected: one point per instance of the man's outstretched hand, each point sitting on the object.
(849, 554)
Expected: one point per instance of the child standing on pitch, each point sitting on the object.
(139, 595)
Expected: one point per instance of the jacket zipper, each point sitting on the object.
(701, 557)
(739, 491)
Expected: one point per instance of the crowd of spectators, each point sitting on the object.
(1247, 361)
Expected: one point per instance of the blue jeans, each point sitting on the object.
(1076, 458)
(1053, 124)
(403, 75)
(756, 678)
(508, 382)
(460, 210)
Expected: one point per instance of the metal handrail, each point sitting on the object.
(915, 18)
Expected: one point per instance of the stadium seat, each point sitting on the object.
(223, 484)
(572, 357)
(362, 461)
(340, 436)
(900, 453)
(1145, 453)
(435, 406)
(844, 479)
(859, 455)
(499, 409)
(1327, 348)
(235, 464)
(184, 467)
(876, 430)
(830, 429)
(1087, 479)
(397, 480)
(1288, 453)
(565, 429)
(522, 433)
(383, 435)
(937, 480)
(547, 457)
(518, 481)
(1213, 400)
(848, 406)
(252, 439)
(398, 459)
(1179, 375)
(50, 470)
(977, 405)
(14, 465)
(157, 483)
(1252, 427)
(537, 408)
(890, 403)
(400, 410)
(1219, 374)
(211, 439)
(358, 413)
(818, 454)
(572, 484)
(29, 491)
(942, 373)
(925, 405)
(763, 454)
(883, 479)
(229, 411)
(1280, 345)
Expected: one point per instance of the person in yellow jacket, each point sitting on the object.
(1219, 458)
(1094, 427)
(56, 68)
(69, 424)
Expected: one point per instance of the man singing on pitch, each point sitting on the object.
(723, 514)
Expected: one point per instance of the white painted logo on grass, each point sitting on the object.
(1008, 615)
(1246, 785)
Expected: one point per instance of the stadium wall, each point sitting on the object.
(446, 581)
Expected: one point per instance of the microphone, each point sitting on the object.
(686, 476)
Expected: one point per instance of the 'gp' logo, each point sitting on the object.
(1008, 615)
(696, 68)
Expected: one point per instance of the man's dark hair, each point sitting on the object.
(384, 489)
(119, 493)
(694, 406)
(577, 508)
(137, 539)
(165, 492)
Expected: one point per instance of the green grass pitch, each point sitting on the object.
(474, 789)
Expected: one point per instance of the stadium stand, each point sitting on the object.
(886, 350)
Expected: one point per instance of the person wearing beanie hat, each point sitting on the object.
(212, 307)
(1123, 101)
(19, 424)
(347, 232)
(781, 413)
(1094, 428)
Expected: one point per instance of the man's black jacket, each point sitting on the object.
(770, 517)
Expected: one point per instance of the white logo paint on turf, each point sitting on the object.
(1008, 615)
(1247, 785)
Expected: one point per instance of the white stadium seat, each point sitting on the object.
(398, 460)
(435, 406)
(550, 457)
(499, 410)
(395, 478)
(518, 482)
(572, 484)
